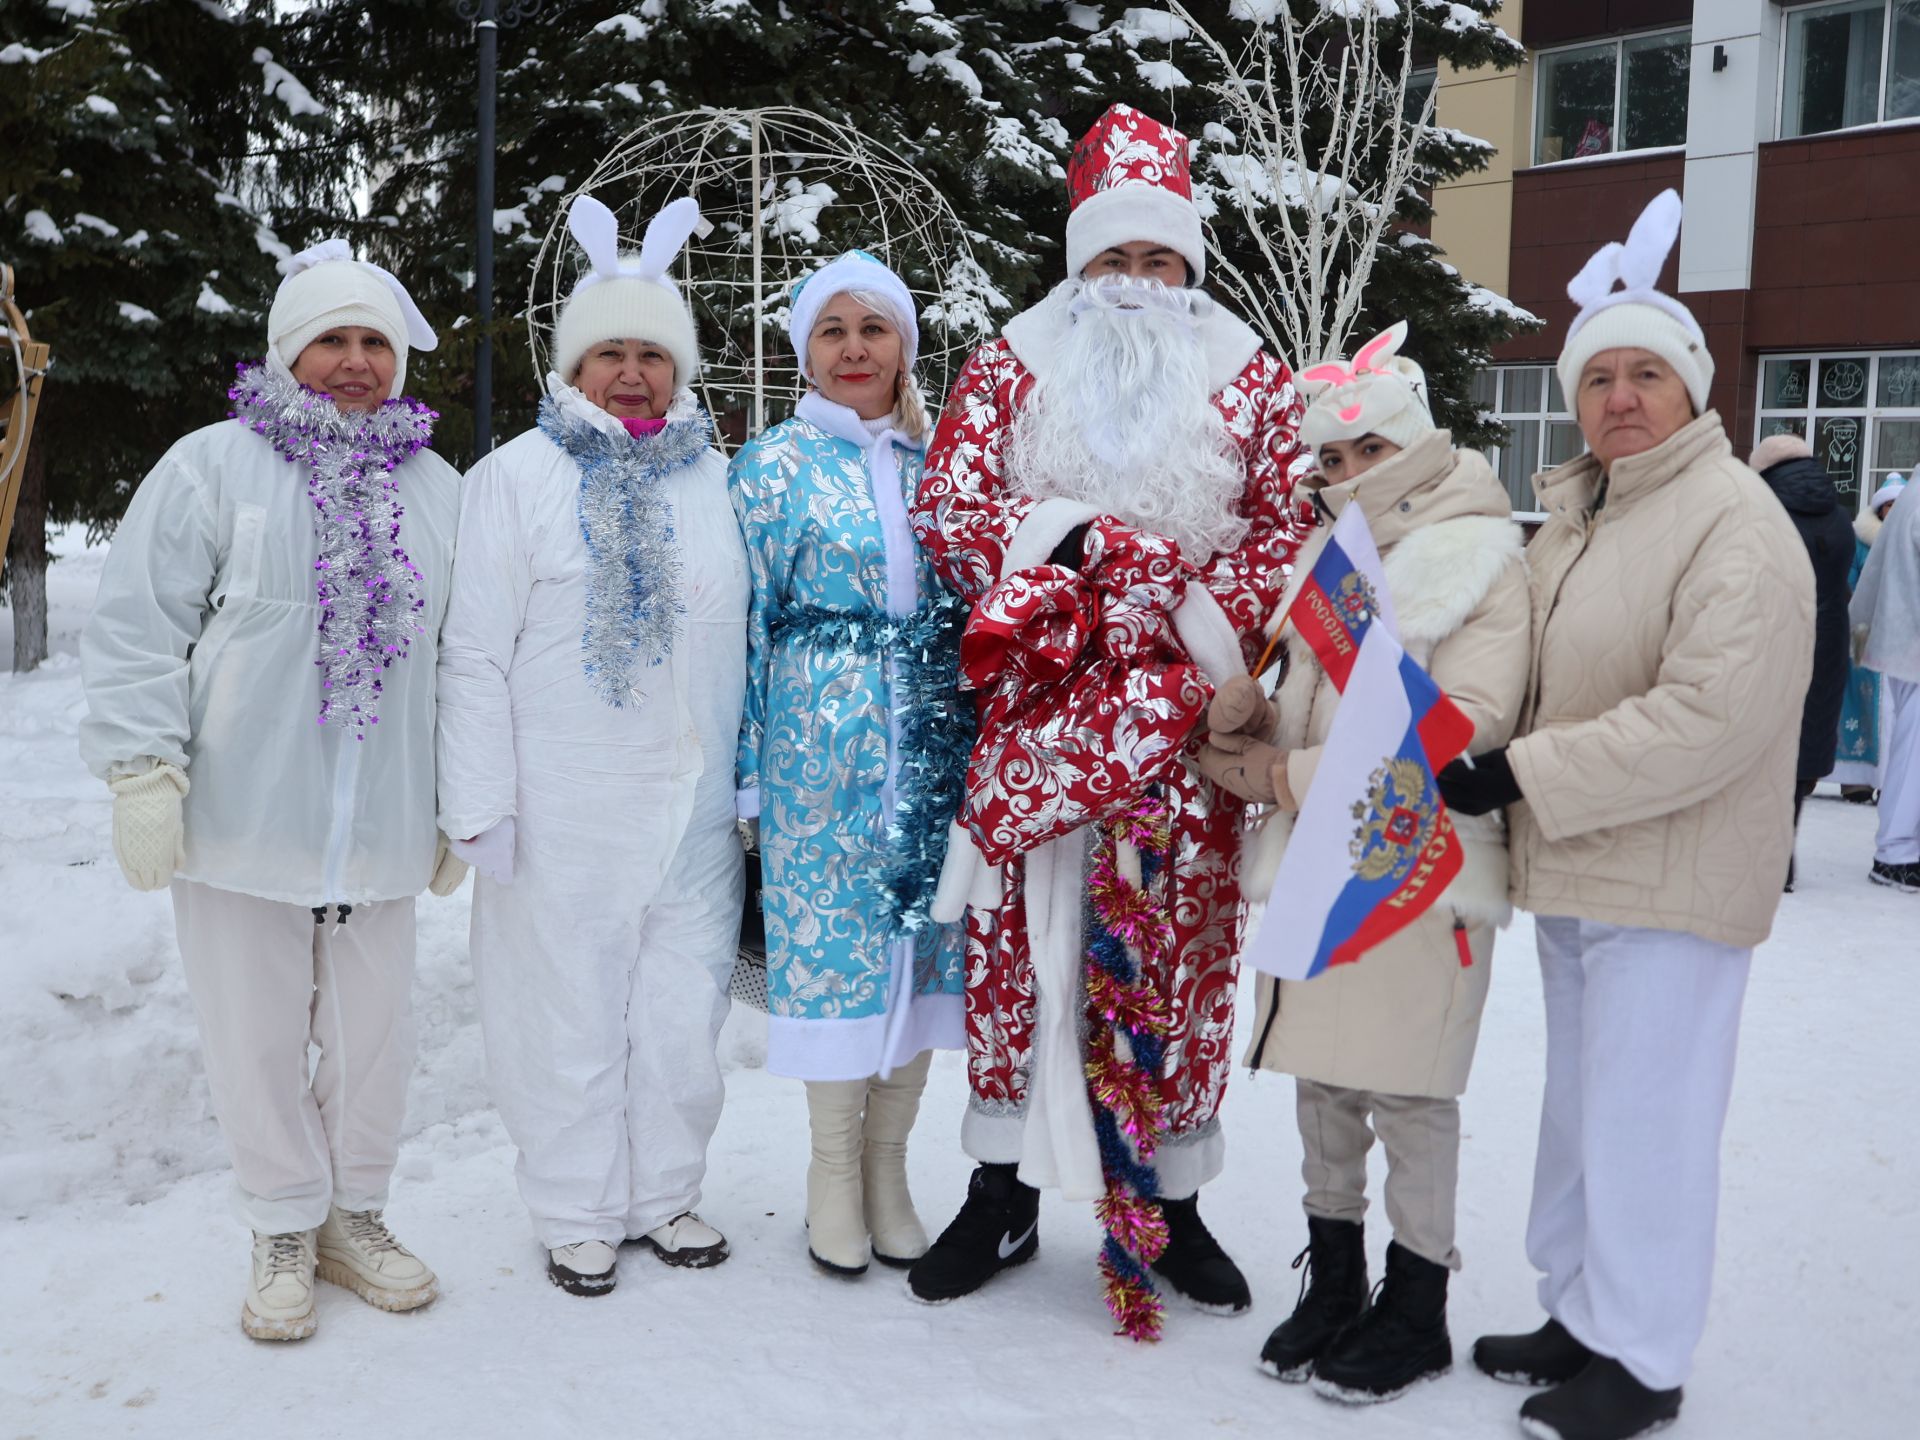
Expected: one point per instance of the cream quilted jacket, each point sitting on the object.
(1673, 644)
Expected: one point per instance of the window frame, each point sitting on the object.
(1618, 42)
(1886, 78)
(1868, 412)
(1545, 415)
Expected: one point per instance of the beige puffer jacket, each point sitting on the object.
(1404, 1018)
(1673, 643)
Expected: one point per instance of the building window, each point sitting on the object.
(1860, 413)
(1420, 83)
(1541, 431)
(1616, 96)
(1852, 63)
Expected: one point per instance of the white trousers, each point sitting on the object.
(1642, 1026)
(601, 1054)
(1898, 841)
(266, 983)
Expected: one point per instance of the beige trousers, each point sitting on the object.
(1422, 1138)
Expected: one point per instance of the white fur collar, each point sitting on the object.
(1867, 526)
(1034, 336)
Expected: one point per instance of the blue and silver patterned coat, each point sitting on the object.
(837, 582)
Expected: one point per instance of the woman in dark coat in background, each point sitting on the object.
(1786, 463)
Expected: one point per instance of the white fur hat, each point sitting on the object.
(627, 296)
(325, 288)
(1380, 393)
(854, 271)
(1635, 315)
(1888, 493)
(1776, 448)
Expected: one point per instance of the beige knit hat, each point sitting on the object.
(1636, 316)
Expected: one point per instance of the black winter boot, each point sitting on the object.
(1602, 1402)
(1401, 1339)
(1547, 1356)
(996, 1229)
(1333, 1290)
(1194, 1264)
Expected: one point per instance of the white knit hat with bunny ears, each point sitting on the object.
(1621, 310)
(1380, 392)
(628, 296)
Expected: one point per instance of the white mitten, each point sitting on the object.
(490, 852)
(149, 840)
(1860, 634)
(449, 870)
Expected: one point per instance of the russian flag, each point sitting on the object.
(1373, 846)
(1343, 593)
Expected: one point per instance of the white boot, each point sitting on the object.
(359, 1253)
(689, 1241)
(836, 1225)
(586, 1267)
(280, 1293)
(892, 1104)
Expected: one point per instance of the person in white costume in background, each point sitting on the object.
(591, 680)
(1886, 619)
(286, 563)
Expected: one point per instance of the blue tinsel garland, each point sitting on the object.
(936, 736)
(633, 564)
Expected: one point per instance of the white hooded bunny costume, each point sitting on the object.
(592, 672)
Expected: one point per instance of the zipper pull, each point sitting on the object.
(319, 915)
(1460, 943)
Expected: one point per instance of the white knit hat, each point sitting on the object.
(1130, 179)
(325, 288)
(1636, 316)
(1381, 393)
(627, 296)
(854, 271)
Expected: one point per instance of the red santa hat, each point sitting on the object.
(1129, 180)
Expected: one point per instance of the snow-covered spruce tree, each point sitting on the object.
(123, 126)
(1320, 173)
(985, 102)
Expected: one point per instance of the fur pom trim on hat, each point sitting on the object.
(1620, 308)
(1775, 448)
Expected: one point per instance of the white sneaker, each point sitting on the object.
(687, 1240)
(357, 1252)
(280, 1292)
(583, 1268)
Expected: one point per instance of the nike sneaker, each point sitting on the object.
(998, 1228)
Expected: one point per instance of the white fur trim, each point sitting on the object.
(1867, 527)
(1204, 629)
(1135, 210)
(1440, 573)
(1034, 336)
(1046, 525)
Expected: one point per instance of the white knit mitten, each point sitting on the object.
(148, 838)
(449, 870)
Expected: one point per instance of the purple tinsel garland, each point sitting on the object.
(369, 591)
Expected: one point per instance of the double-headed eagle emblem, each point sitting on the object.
(1397, 821)
(1354, 601)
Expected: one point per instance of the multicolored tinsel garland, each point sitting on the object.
(1126, 1045)
(633, 564)
(936, 728)
(369, 591)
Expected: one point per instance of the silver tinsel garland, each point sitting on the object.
(369, 591)
(633, 562)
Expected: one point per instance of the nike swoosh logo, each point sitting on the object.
(1008, 1244)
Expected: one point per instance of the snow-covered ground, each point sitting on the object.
(122, 1271)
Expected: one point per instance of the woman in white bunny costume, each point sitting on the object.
(591, 681)
(1649, 798)
(287, 565)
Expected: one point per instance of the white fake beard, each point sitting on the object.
(1125, 421)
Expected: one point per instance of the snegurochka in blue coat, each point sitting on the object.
(851, 755)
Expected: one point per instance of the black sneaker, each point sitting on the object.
(998, 1228)
(1401, 1339)
(1333, 1290)
(1547, 1356)
(1900, 877)
(1602, 1402)
(1195, 1266)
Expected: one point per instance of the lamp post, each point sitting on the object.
(487, 16)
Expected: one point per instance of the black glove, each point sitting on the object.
(1072, 549)
(1486, 786)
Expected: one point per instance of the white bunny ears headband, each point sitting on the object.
(1379, 392)
(1627, 274)
(594, 226)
